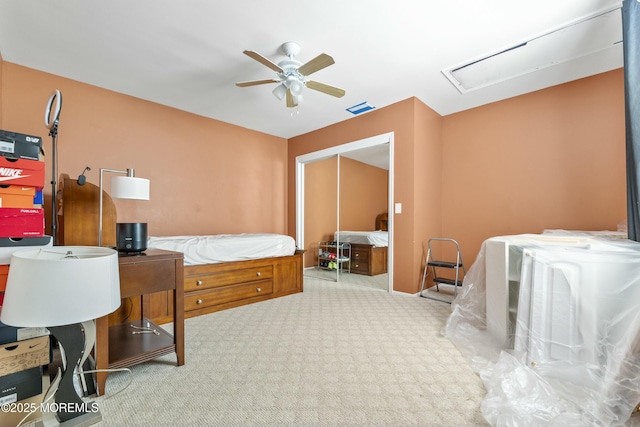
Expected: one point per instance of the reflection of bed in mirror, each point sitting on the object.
(368, 248)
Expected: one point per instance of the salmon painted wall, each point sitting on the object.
(206, 176)
(552, 159)
(398, 118)
(428, 182)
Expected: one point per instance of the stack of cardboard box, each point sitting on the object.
(23, 351)
(21, 181)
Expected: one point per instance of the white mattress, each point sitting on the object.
(375, 238)
(225, 247)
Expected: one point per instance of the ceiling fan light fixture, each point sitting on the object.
(280, 91)
(295, 86)
(292, 75)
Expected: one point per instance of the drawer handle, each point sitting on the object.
(199, 283)
(258, 274)
(357, 265)
(357, 255)
(258, 289)
(199, 301)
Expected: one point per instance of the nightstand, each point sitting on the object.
(122, 345)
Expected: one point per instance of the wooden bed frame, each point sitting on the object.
(207, 288)
(214, 287)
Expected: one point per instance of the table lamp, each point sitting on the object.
(123, 187)
(64, 288)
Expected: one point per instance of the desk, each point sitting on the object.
(140, 275)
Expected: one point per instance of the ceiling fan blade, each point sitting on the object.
(264, 61)
(318, 63)
(256, 82)
(290, 101)
(329, 90)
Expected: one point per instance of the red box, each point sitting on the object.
(21, 222)
(4, 273)
(29, 173)
(16, 196)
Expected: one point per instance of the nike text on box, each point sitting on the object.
(29, 173)
(21, 222)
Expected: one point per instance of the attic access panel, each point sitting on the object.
(574, 40)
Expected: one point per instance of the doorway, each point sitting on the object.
(372, 151)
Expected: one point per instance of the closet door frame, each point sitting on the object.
(386, 138)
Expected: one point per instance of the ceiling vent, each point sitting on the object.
(579, 38)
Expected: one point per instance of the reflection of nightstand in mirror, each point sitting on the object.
(141, 275)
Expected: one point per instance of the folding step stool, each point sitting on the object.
(436, 267)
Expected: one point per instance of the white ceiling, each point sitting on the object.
(187, 54)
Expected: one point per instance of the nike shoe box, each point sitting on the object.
(20, 146)
(28, 173)
(20, 355)
(9, 334)
(16, 196)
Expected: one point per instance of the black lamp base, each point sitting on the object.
(72, 410)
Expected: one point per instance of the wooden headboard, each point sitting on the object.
(78, 209)
(381, 222)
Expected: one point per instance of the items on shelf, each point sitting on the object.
(334, 256)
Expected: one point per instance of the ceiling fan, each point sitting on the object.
(292, 75)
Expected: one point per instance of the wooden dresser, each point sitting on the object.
(368, 259)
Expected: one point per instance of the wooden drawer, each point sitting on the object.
(360, 254)
(146, 277)
(361, 267)
(221, 295)
(224, 278)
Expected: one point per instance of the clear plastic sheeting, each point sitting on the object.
(551, 323)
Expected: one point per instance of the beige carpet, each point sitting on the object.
(380, 281)
(336, 355)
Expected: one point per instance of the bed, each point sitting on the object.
(229, 270)
(247, 268)
(368, 248)
(378, 238)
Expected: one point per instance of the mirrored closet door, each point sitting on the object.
(345, 196)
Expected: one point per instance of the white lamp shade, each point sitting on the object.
(280, 91)
(61, 285)
(296, 88)
(129, 187)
